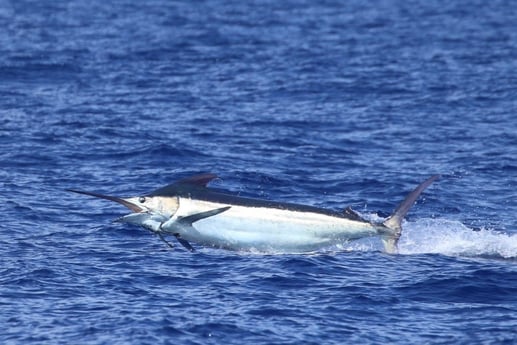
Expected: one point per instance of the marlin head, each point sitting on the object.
(162, 201)
(150, 212)
(159, 207)
(164, 205)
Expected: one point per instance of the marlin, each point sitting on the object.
(192, 212)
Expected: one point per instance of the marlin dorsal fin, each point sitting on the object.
(352, 215)
(200, 180)
(172, 189)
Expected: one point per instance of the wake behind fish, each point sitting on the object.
(451, 237)
(446, 237)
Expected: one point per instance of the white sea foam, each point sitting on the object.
(443, 236)
(449, 237)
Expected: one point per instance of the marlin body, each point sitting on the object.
(192, 212)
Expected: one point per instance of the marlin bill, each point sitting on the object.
(193, 213)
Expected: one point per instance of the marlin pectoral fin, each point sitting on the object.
(198, 216)
(188, 220)
(164, 240)
(184, 243)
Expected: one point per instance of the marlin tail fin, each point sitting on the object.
(393, 223)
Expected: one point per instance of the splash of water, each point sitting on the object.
(446, 237)
(449, 237)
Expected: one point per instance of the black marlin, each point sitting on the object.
(192, 212)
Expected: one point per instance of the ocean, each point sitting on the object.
(324, 103)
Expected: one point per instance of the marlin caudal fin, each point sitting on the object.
(394, 221)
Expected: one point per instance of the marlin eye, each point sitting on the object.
(141, 199)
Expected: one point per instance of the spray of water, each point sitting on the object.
(446, 237)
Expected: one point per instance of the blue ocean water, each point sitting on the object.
(325, 103)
